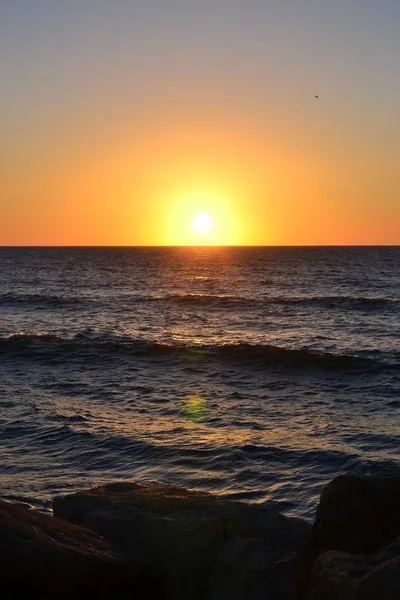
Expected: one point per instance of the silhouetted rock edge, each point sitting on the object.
(143, 541)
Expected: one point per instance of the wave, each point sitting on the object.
(219, 300)
(257, 471)
(344, 302)
(39, 300)
(363, 303)
(93, 449)
(48, 301)
(47, 346)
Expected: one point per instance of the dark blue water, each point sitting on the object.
(256, 373)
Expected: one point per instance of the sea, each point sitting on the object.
(254, 373)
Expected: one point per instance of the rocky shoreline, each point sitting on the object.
(129, 540)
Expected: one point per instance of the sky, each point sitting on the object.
(120, 121)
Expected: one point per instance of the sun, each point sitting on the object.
(201, 218)
(202, 223)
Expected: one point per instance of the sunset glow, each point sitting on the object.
(96, 158)
(199, 295)
(203, 218)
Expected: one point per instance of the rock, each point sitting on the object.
(254, 570)
(104, 543)
(357, 577)
(351, 552)
(47, 558)
(187, 534)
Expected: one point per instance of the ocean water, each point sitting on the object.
(254, 373)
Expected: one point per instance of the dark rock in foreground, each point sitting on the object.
(42, 557)
(353, 552)
(127, 540)
(205, 547)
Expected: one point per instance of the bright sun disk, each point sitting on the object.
(202, 223)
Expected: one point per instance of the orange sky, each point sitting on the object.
(108, 139)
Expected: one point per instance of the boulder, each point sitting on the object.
(47, 558)
(357, 576)
(352, 552)
(252, 569)
(196, 540)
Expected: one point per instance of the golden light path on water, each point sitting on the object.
(233, 371)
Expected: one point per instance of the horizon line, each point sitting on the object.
(163, 246)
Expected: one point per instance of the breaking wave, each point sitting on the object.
(44, 345)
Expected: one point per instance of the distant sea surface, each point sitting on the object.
(254, 373)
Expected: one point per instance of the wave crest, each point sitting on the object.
(40, 301)
(89, 345)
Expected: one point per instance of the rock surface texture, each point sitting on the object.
(144, 542)
(202, 546)
(353, 552)
(42, 557)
